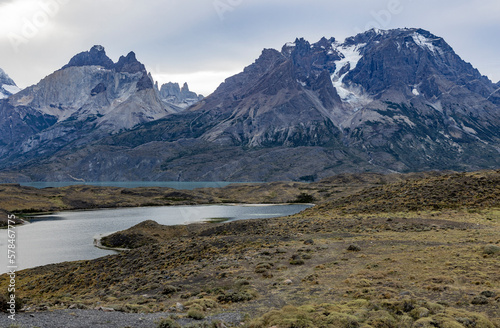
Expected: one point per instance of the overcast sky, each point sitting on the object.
(202, 42)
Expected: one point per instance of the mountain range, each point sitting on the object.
(89, 98)
(382, 101)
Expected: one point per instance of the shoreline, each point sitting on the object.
(97, 238)
(37, 215)
(39, 202)
(94, 239)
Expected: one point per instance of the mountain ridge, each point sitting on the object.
(381, 101)
(84, 101)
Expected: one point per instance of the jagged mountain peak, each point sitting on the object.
(96, 56)
(268, 56)
(381, 33)
(393, 80)
(324, 43)
(173, 94)
(415, 39)
(129, 64)
(7, 86)
(414, 61)
(90, 94)
(373, 66)
(303, 47)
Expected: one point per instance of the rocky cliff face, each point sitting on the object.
(275, 103)
(115, 96)
(399, 100)
(172, 94)
(87, 99)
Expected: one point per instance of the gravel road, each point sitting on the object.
(99, 319)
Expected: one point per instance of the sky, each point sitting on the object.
(202, 42)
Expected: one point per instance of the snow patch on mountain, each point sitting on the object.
(469, 130)
(426, 43)
(7, 85)
(13, 89)
(350, 55)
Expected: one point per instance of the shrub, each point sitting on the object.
(236, 296)
(304, 198)
(167, 290)
(4, 307)
(168, 323)
(195, 314)
(297, 262)
(362, 313)
(342, 320)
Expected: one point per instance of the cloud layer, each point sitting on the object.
(204, 41)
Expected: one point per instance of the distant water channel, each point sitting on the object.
(133, 184)
(69, 236)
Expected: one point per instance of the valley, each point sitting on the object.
(418, 251)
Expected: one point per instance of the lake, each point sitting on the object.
(69, 236)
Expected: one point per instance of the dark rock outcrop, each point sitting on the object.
(96, 56)
(129, 64)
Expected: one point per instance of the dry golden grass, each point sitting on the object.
(324, 267)
(430, 257)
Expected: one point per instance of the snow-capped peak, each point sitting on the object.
(5, 79)
(379, 31)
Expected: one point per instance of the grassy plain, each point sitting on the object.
(420, 251)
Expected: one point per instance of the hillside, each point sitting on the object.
(449, 191)
(25, 200)
(344, 263)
